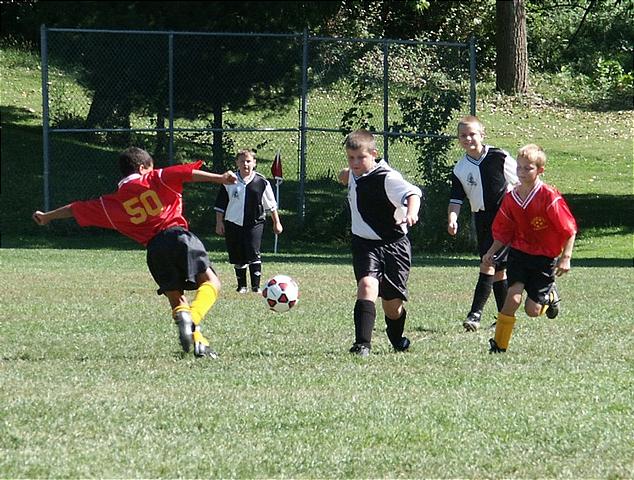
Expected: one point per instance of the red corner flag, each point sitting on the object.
(276, 167)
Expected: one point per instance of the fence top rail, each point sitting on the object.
(256, 34)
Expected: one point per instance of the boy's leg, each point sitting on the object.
(506, 319)
(364, 315)
(181, 313)
(241, 277)
(255, 272)
(500, 288)
(205, 297)
(395, 327)
(480, 296)
(252, 243)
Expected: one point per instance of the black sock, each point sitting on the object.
(364, 316)
(500, 288)
(482, 291)
(255, 272)
(395, 328)
(241, 276)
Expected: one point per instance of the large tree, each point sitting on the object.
(511, 69)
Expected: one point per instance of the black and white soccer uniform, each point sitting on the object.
(244, 205)
(380, 246)
(484, 181)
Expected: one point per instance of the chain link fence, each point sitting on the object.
(192, 95)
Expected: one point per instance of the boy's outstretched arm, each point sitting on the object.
(227, 178)
(563, 265)
(42, 218)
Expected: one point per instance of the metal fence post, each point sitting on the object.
(472, 75)
(45, 116)
(386, 142)
(170, 88)
(303, 125)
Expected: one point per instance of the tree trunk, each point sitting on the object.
(511, 70)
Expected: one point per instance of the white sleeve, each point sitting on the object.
(510, 171)
(268, 199)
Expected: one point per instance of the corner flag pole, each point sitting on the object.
(276, 171)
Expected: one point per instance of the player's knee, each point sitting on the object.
(532, 309)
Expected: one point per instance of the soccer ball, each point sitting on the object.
(280, 293)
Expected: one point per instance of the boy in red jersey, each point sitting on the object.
(535, 221)
(148, 208)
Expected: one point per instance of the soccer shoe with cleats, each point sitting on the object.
(201, 345)
(185, 329)
(472, 322)
(241, 290)
(256, 290)
(360, 350)
(553, 303)
(402, 345)
(203, 351)
(494, 347)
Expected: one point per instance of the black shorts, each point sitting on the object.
(175, 256)
(243, 243)
(389, 263)
(536, 272)
(484, 234)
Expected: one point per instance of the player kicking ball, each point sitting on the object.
(536, 222)
(148, 208)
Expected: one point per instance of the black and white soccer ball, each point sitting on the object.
(280, 293)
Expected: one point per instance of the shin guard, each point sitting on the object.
(206, 296)
(503, 330)
(364, 317)
(500, 289)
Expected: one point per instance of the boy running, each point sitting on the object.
(483, 175)
(382, 205)
(535, 221)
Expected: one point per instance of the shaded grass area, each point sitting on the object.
(94, 384)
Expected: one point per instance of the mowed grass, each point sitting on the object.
(94, 384)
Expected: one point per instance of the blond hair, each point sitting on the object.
(534, 153)
(245, 152)
(471, 120)
(360, 139)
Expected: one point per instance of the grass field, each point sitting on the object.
(93, 383)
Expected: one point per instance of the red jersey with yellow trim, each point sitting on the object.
(143, 205)
(540, 224)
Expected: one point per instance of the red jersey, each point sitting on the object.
(540, 224)
(143, 205)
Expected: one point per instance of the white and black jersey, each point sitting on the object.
(378, 203)
(246, 202)
(484, 180)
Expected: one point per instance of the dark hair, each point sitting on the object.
(132, 158)
(360, 139)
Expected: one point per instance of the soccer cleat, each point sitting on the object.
(360, 350)
(203, 351)
(472, 322)
(256, 290)
(241, 290)
(494, 347)
(553, 303)
(185, 329)
(402, 345)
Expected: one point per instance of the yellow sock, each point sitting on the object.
(206, 296)
(180, 308)
(199, 338)
(503, 330)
